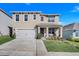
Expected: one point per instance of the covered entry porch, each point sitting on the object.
(48, 30)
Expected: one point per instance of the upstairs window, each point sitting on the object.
(17, 17)
(34, 17)
(51, 19)
(25, 17)
(42, 18)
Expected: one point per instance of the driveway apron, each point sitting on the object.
(19, 47)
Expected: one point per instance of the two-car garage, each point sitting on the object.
(25, 33)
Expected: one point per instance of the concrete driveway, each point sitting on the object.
(19, 47)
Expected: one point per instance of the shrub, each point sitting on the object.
(70, 38)
(77, 47)
(13, 36)
(59, 38)
(76, 39)
(54, 38)
(39, 36)
(49, 38)
(73, 39)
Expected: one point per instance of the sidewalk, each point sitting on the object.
(63, 53)
(40, 48)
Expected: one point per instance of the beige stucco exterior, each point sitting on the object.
(31, 23)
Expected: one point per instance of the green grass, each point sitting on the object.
(61, 46)
(4, 39)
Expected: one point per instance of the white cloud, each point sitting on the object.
(76, 9)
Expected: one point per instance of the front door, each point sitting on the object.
(42, 31)
(52, 31)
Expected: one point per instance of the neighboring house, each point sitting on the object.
(71, 30)
(27, 24)
(5, 27)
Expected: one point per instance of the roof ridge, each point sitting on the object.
(69, 24)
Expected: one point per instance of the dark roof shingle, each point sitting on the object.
(73, 26)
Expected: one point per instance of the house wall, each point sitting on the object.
(67, 34)
(31, 23)
(70, 33)
(74, 34)
(4, 23)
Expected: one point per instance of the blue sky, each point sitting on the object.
(69, 12)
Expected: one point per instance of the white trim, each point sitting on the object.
(23, 29)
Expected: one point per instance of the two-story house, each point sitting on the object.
(27, 24)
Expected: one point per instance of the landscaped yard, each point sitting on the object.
(4, 39)
(61, 46)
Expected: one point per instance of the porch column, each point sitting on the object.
(61, 30)
(38, 29)
(57, 32)
(47, 31)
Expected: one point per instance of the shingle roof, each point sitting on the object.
(50, 15)
(33, 12)
(73, 26)
(25, 12)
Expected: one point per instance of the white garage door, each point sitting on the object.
(22, 33)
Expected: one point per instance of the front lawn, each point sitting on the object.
(4, 39)
(61, 46)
